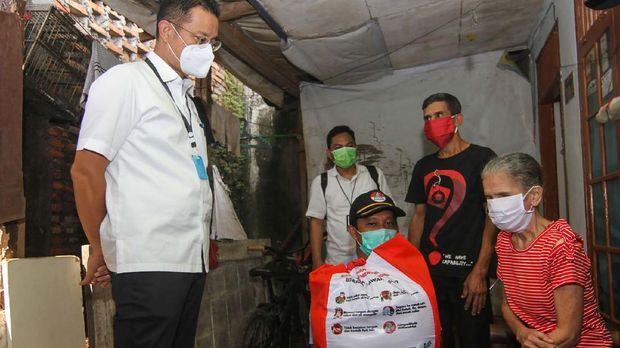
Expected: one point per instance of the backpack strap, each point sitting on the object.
(324, 186)
(372, 170)
(324, 182)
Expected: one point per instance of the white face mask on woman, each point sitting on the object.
(509, 214)
(195, 60)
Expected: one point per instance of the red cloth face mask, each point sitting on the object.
(440, 130)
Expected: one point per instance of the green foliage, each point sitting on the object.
(232, 98)
(234, 171)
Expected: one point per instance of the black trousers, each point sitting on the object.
(459, 327)
(156, 309)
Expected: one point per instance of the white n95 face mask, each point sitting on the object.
(509, 214)
(196, 60)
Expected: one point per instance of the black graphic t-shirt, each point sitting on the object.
(452, 190)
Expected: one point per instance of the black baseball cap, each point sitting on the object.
(370, 203)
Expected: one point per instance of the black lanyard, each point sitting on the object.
(188, 124)
(345, 194)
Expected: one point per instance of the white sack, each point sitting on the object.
(226, 224)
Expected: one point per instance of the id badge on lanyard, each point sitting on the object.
(201, 169)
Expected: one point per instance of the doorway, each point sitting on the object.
(551, 128)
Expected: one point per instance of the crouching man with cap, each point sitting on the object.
(383, 298)
(372, 221)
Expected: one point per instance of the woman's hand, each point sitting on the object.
(530, 338)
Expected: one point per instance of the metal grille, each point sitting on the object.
(57, 56)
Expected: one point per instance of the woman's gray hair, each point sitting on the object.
(520, 166)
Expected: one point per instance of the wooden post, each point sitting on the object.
(303, 175)
(20, 243)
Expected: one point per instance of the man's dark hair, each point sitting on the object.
(453, 103)
(177, 11)
(338, 130)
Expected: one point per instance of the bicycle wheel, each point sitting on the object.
(261, 324)
(293, 331)
(303, 311)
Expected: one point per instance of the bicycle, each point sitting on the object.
(283, 321)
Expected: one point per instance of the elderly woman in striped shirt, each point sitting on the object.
(549, 299)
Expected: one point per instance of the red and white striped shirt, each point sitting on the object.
(555, 258)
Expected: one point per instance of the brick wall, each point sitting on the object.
(65, 228)
(52, 224)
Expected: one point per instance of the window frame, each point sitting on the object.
(591, 26)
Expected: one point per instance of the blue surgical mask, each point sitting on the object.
(372, 239)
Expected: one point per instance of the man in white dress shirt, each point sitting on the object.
(331, 195)
(141, 185)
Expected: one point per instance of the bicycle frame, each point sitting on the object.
(287, 289)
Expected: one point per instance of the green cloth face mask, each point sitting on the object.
(345, 157)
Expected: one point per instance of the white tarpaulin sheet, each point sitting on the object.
(226, 224)
(355, 41)
(356, 56)
(387, 114)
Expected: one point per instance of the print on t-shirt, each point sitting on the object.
(449, 200)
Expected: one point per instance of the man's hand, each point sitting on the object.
(475, 291)
(96, 271)
(88, 174)
(530, 338)
(317, 263)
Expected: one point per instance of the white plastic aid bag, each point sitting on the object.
(387, 300)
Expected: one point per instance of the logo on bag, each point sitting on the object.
(377, 197)
(336, 329)
(340, 298)
(388, 310)
(338, 313)
(389, 327)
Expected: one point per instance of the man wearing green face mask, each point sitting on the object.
(332, 194)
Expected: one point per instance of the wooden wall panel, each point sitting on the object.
(12, 203)
(548, 67)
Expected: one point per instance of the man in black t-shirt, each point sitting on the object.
(449, 224)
